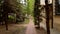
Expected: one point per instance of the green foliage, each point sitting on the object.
(11, 17)
(26, 21)
(19, 8)
(1, 3)
(30, 7)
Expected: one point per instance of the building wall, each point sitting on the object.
(53, 7)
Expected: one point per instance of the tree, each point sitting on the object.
(37, 13)
(1, 10)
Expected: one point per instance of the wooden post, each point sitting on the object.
(47, 17)
(52, 16)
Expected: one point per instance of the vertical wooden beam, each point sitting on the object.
(47, 17)
(52, 15)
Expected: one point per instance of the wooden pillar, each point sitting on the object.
(47, 17)
(52, 15)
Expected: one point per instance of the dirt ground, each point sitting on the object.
(30, 28)
(57, 22)
(22, 29)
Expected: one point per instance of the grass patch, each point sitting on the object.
(26, 21)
